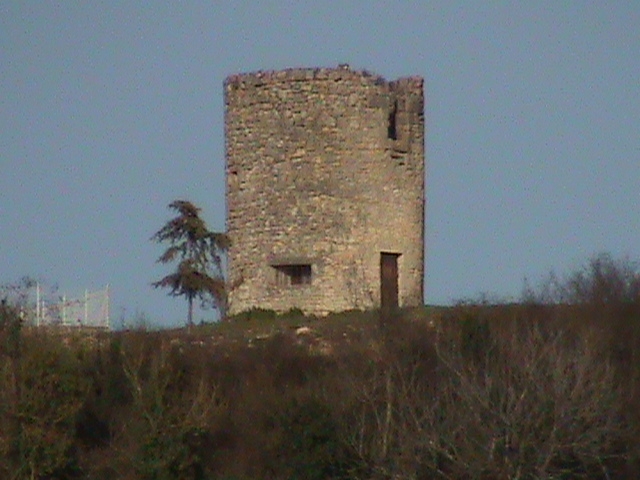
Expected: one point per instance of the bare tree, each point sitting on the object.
(604, 280)
(533, 402)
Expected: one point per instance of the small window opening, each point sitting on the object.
(392, 132)
(287, 275)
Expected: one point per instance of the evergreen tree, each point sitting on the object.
(199, 251)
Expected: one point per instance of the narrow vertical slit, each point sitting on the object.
(392, 133)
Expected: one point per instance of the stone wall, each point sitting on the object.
(325, 168)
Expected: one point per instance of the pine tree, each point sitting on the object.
(199, 251)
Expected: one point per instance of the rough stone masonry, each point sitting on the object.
(325, 190)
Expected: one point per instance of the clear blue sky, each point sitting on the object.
(110, 110)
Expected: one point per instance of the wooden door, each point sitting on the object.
(389, 281)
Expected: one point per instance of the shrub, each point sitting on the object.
(48, 392)
(500, 400)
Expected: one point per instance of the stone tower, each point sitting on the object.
(325, 190)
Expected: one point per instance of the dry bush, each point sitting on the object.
(603, 280)
(42, 389)
(372, 395)
(537, 404)
(279, 424)
(174, 403)
(500, 400)
(602, 299)
(605, 294)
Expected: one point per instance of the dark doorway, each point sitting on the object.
(388, 281)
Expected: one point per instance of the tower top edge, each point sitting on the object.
(342, 72)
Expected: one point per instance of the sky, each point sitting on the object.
(109, 110)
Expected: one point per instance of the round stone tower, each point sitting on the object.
(325, 190)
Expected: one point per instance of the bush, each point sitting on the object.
(259, 314)
(495, 399)
(46, 391)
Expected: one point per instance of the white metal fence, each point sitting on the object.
(88, 310)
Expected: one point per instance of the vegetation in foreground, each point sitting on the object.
(547, 388)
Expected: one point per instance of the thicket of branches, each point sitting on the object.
(536, 390)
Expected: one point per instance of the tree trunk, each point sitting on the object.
(190, 315)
